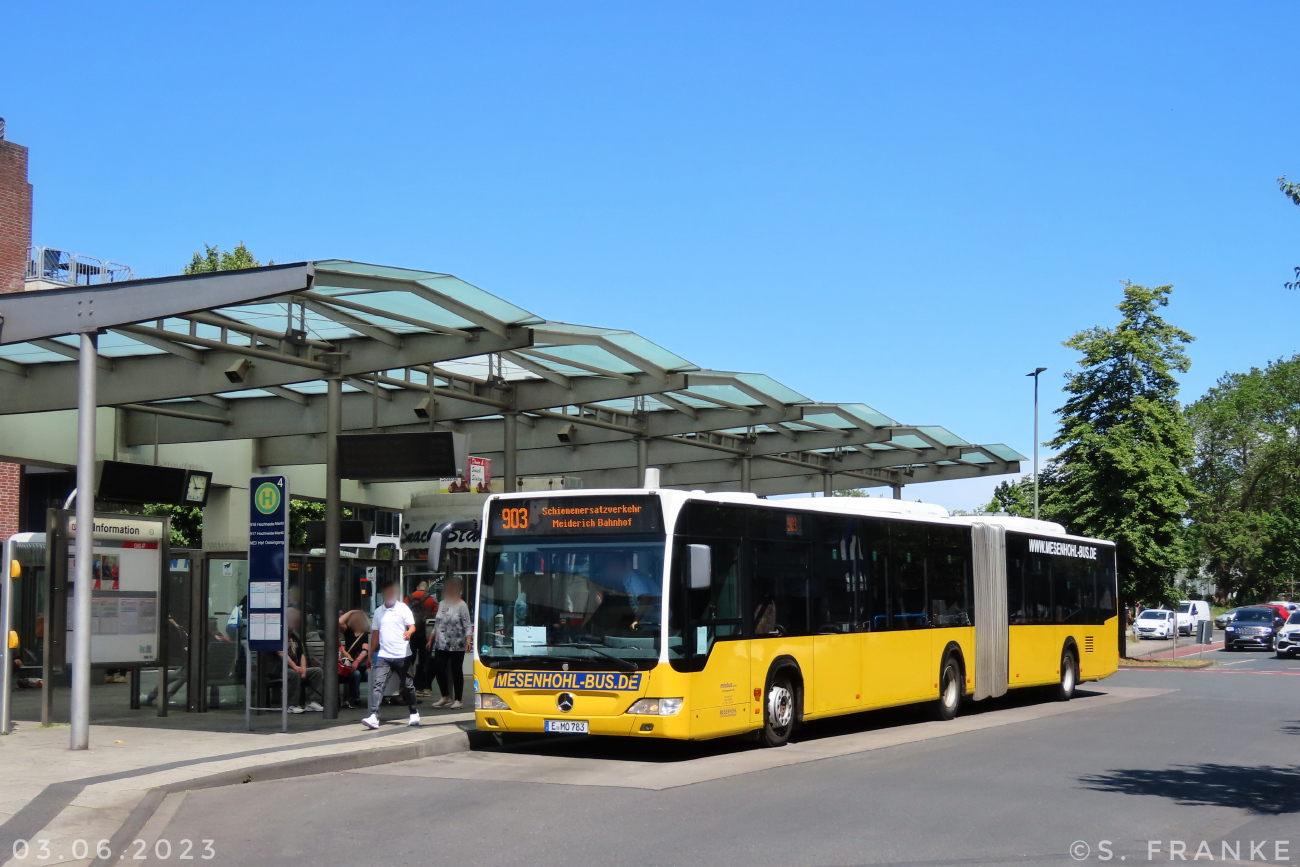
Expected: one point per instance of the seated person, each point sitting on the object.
(302, 677)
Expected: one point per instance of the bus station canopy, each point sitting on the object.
(249, 355)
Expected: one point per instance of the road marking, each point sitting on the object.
(522, 767)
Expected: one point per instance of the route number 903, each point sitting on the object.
(514, 518)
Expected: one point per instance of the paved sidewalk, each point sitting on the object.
(1162, 649)
(108, 792)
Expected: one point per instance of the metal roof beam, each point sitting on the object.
(139, 379)
(348, 304)
(55, 312)
(375, 332)
(72, 352)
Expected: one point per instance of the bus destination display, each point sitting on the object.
(547, 516)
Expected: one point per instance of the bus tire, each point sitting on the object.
(780, 709)
(950, 689)
(1069, 676)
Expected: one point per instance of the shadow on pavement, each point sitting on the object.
(1264, 789)
(667, 751)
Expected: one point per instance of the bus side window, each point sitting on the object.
(780, 590)
(873, 566)
(907, 542)
(834, 575)
(1017, 551)
(1038, 589)
(947, 565)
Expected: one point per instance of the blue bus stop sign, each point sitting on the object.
(268, 561)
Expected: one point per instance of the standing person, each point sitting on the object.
(451, 635)
(391, 651)
(423, 606)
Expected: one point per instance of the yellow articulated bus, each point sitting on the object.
(673, 614)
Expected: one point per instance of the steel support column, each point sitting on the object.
(333, 509)
(745, 480)
(642, 460)
(898, 491)
(79, 738)
(510, 432)
(828, 484)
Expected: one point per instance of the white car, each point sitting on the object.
(1155, 623)
(1190, 613)
(1288, 640)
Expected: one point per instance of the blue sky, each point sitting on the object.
(904, 204)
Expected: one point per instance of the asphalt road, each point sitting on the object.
(1173, 756)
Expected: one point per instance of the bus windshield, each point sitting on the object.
(593, 602)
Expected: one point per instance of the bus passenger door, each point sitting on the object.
(711, 644)
(837, 652)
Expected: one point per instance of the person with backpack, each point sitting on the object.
(424, 607)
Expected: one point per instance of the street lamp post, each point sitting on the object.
(1037, 370)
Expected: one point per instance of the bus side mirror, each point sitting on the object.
(435, 551)
(701, 565)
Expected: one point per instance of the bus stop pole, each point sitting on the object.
(79, 739)
(333, 507)
(7, 602)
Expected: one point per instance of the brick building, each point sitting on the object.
(15, 239)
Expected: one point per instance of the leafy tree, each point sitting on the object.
(1280, 554)
(216, 259)
(1247, 461)
(849, 492)
(1292, 192)
(302, 511)
(1125, 445)
(1014, 498)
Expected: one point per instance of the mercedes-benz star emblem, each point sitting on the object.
(564, 701)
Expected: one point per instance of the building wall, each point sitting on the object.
(15, 238)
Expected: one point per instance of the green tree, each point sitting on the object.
(1292, 192)
(1125, 445)
(216, 259)
(1014, 498)
(1246, 431)
(302, 511)
(1280, 553)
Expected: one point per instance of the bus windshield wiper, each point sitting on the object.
(623, 664)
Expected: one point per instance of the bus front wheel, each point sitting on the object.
(1069, 677)
(950, 690)
(779, 711)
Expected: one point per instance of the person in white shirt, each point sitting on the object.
(390, 648)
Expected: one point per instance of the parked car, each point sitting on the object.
(1155, 623)
(1190, 613)
(1288, 640)
(1254, 628)
(1225, 618)
(1289, 606)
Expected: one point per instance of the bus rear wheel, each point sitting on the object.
(950, 690)
(778, 711)
(1069, 677)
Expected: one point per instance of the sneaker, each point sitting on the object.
(293, 708)
(371, 722)
(455, 705)
(414, 720)
(144, 699)
(314, 707)
(442, 702)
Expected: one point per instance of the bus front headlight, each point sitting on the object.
(489, 701)
(656, 706)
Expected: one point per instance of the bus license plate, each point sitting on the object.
(567, 726)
